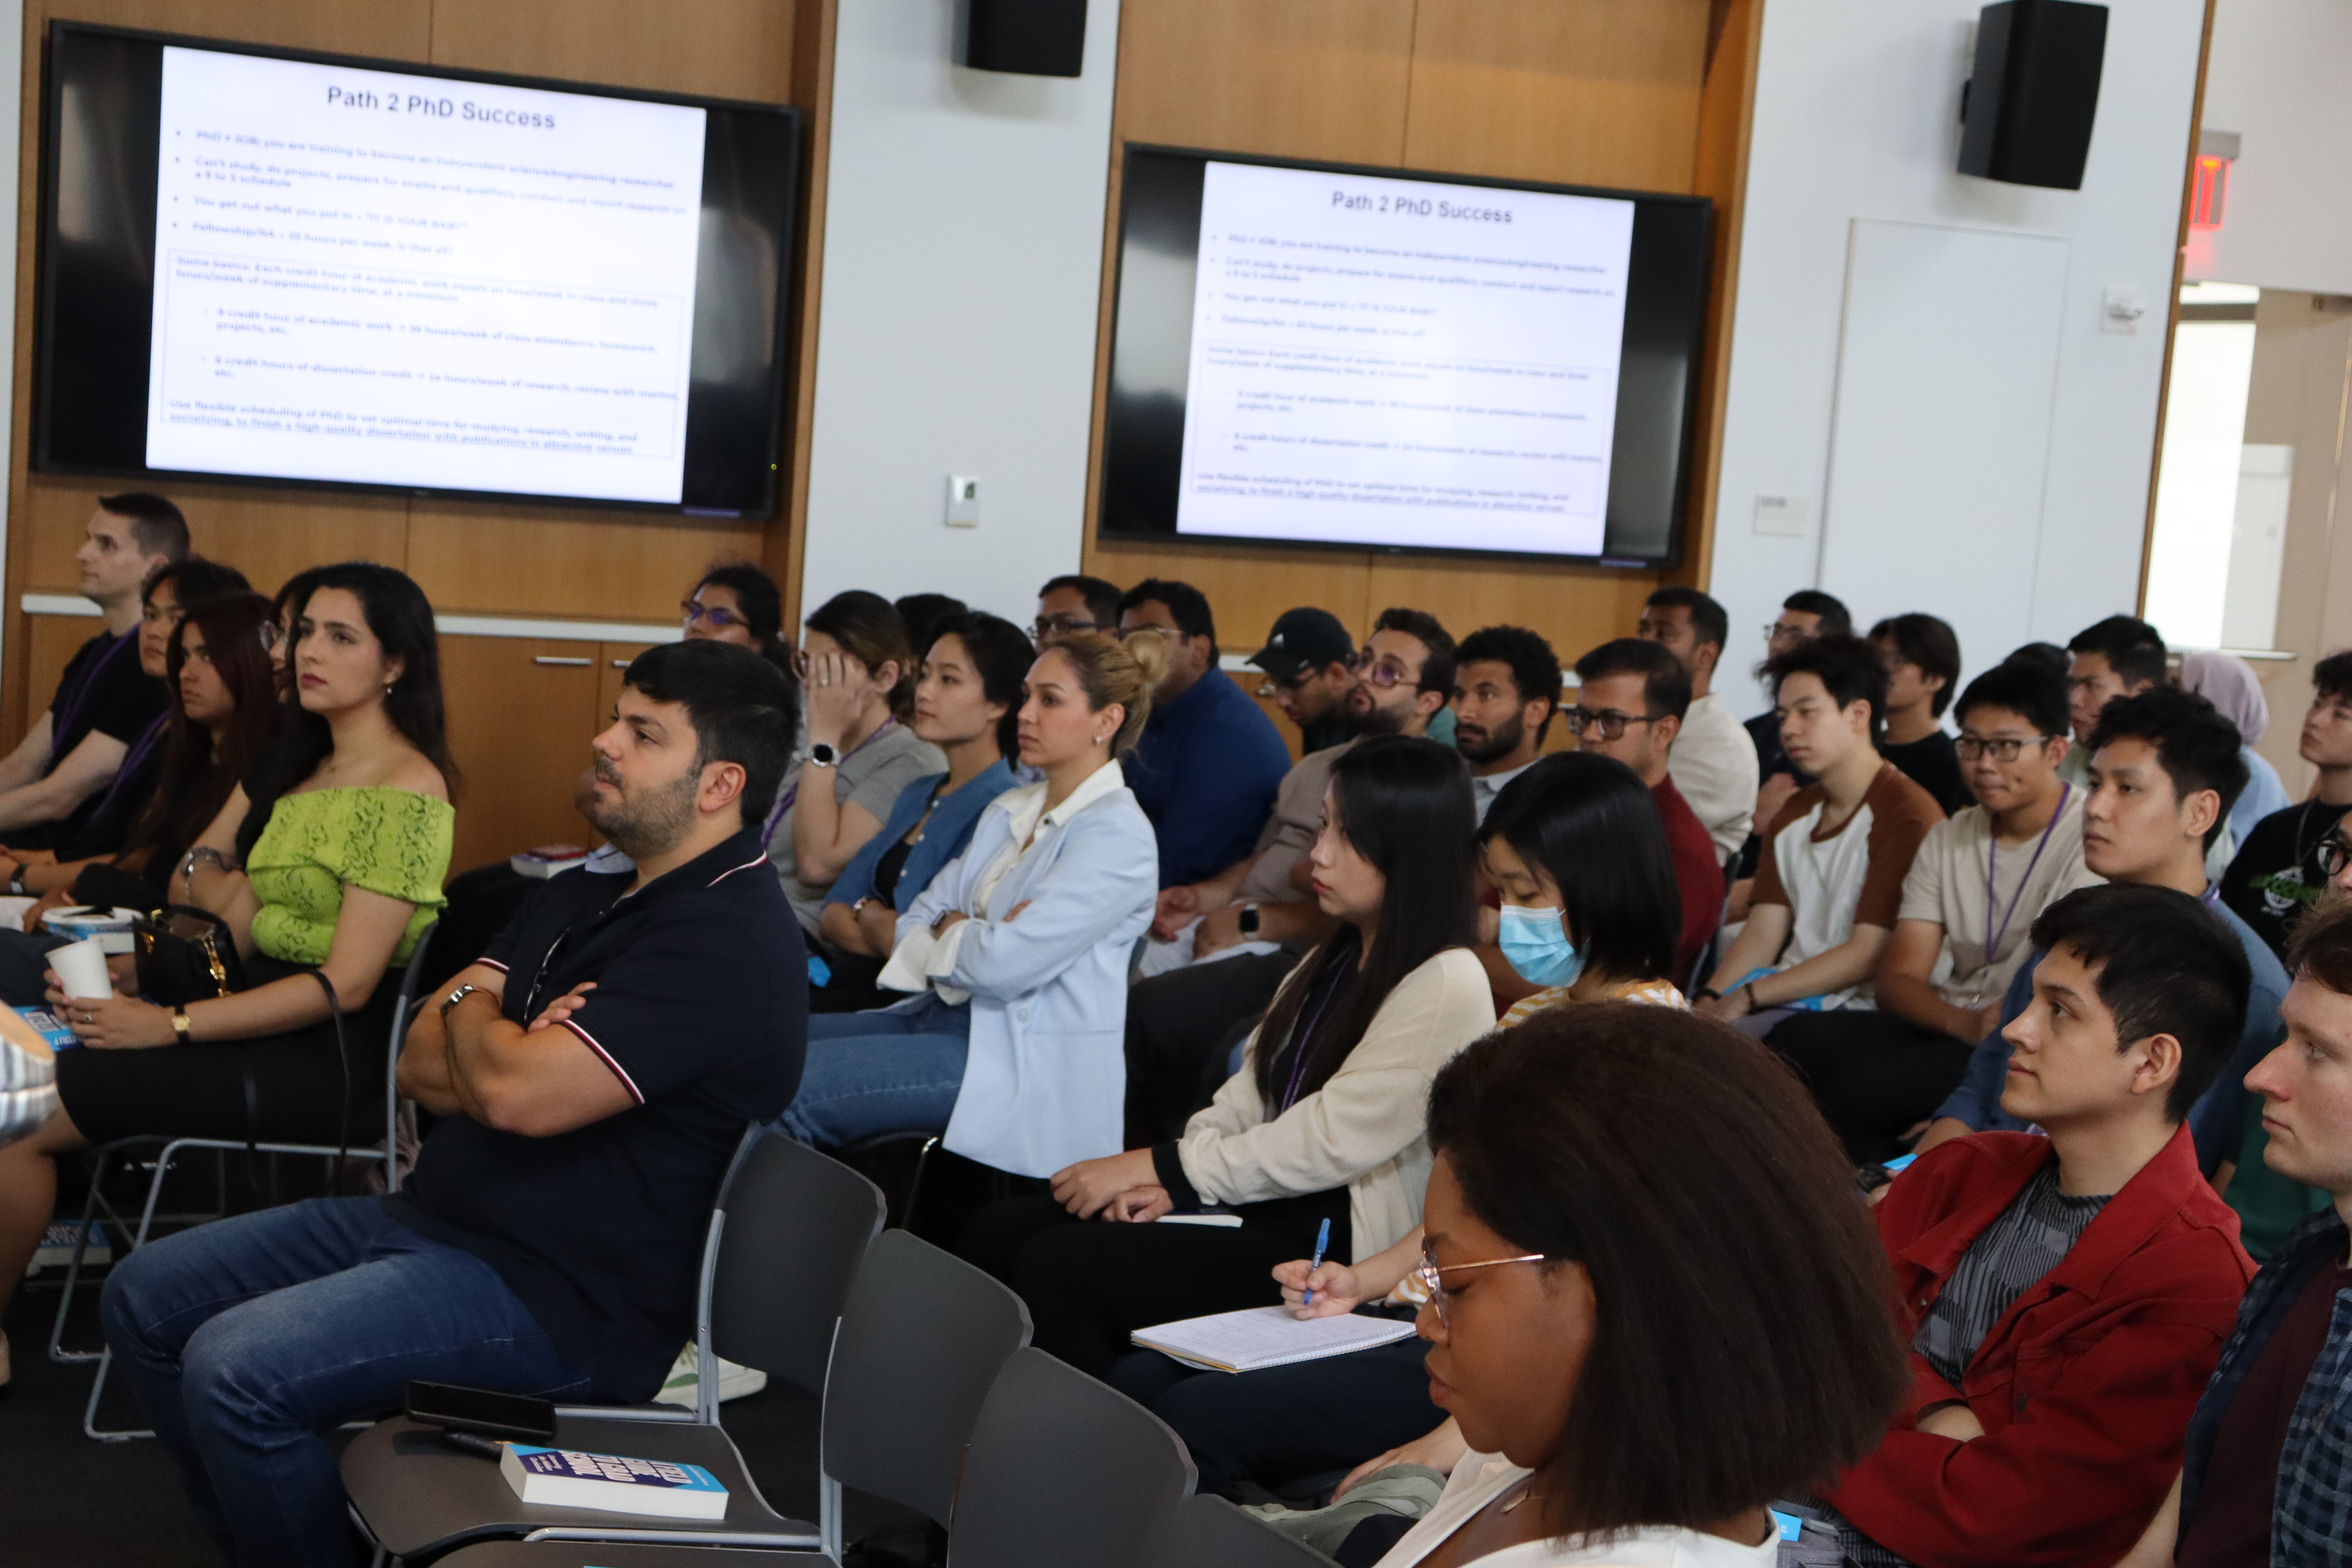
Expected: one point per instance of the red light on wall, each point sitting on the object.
(2209, 188)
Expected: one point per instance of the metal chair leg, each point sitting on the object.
(73, 1268)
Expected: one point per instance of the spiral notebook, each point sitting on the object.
(1267, 1336)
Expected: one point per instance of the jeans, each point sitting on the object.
(880, 1072)
(249, 1339)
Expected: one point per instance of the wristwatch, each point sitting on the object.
(823, 755)
(456, 996)
(179, 1024)
(1249, 921)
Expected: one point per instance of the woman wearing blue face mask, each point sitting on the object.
(1590, 911)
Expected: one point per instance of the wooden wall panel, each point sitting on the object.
(527, 561)
(1300, 79)
(520, 715)
(1596, 92)
(716, 49)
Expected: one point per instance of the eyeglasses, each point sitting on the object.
(2333, 854)
(1296, 683)
(272, 635)
(1368, 667)
(1061, 626)
(719, 617)
(1609, 724)
(2004, 748)
(1776, 634)
(1430, 1276)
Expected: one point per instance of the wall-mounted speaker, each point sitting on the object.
(2025, 115)
(1028, 37)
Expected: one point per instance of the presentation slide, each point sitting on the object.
(382, 278)
(1403, 362)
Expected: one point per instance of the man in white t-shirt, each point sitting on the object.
(1975, 888)
(1714, 762)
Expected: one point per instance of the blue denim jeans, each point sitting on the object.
(249, 1339)
(880, 1072)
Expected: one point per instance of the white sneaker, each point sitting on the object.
(683, 1387)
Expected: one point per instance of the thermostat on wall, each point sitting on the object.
(963, 502)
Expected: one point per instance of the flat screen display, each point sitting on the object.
(1311, 355)
(294, 269)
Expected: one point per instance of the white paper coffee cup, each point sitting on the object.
(81, 969)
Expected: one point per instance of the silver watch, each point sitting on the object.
(456, 996)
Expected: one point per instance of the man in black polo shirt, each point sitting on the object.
(592, 1076)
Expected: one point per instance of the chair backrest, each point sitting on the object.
(1210, 1533)
(796, 1225)
(1065, 1472)
(922, 1339)
(403, 1007)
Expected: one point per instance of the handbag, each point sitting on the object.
(185, 954)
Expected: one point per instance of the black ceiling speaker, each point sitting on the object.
(2025, 116)
(1030, 37)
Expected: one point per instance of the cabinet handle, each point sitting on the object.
(622, 663)
(558, 659)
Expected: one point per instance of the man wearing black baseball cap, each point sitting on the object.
(1308, 654)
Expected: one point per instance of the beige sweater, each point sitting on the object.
(1366, 1128)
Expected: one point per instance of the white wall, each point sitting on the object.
(2281, 76)
(963, 244)
(1857, 118)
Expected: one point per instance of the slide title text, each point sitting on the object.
(1416, 206)
(437, 108)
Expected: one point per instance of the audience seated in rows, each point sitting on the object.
(2271, 1442)
(590, 1077)
(1630, 697)
(1323, 1124)
(105, 702)
(1598, 1259)
(1714, 765)
(2163, 768)
(1976, 885)
(1017, 950)
(1829, 885)
(1576, 848)
(1076, 603)
(1210, 762)
(1259, 917)
(968, 704)
(2067, 1296)
(857, 687)
(1309, 659)
(1923, 674)
(223, 717)
(2276, 874)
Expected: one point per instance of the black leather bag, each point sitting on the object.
(185, 954)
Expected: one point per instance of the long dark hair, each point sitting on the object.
(762, 606)
(1403, 804)
(1001, 652)
(198, 773)
(399, 617)
(1589, 824)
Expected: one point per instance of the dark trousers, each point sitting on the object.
(1180, 1027)
(1090, 1284)
(1287, 1424)
(1873, 1075)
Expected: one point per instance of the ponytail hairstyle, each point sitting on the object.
(1403, 804)
(870, 630)
(1127, 673)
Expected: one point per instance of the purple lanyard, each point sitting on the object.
(1301, 1038)
(81, 696)
(1992, 863)
(785, 802)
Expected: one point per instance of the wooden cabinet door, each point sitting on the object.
(521, 712)
(611, 663)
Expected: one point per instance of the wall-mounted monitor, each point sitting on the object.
(275, 268)
(1366, 359)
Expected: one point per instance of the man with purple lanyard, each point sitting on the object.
(105, 702)
(2164, 769)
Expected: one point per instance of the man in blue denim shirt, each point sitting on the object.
(2268, 1477)
(2163, 771)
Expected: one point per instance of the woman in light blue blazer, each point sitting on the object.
(1018, 949)
(968, 704)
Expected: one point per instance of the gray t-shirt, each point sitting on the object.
(871, 776)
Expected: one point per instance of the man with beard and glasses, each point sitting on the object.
(591, 1076)
(1259, 916)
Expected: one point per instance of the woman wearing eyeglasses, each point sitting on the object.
(738, 603)
(1651, 1313)
(857, 688)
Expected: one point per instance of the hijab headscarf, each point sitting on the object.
(2228, 683)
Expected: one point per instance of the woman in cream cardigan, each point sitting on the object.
(1324, 1120)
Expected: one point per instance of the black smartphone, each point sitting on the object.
(458, 1409)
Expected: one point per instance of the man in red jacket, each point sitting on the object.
(2067, 1296)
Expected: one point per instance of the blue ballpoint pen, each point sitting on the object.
(1322, 1240)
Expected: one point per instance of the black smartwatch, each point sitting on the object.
(822, 755)
(1249, 921)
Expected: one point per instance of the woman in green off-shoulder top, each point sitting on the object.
(343, 840)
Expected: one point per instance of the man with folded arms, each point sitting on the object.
(2066, 1297)
(592, 1076)
(2269, 1448)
